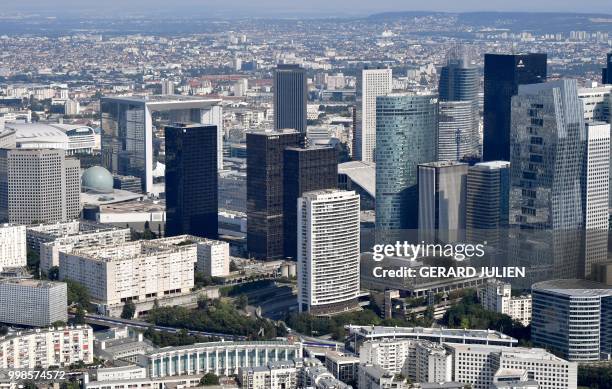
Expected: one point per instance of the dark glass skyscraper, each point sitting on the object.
(305, 170)
(191, 180)
(290, 97)
(503, 73)
(606, 73)
(265, 166)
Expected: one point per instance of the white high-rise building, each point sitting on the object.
(167, 87)
(34, 303)
(39, 185)
(213, 256)
(596, 195)
(370, 84)
(328, 251)
(497, 296)
(13, 251)
(596, 102)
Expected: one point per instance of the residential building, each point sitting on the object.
(371, 83)
(328, 251)
(405, 137)
(275, 375)
(503, 73)
(442, 201)
(497, 296)
(49, 239)
(127, 132)
(132, 271)
(43, 348)
(13, 249)
(375, 377)
(213, 256)
(290, 97)
(573, 317)
(34, 303)
(39, 185)
(191, 180)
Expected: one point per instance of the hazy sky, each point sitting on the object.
(312, 7)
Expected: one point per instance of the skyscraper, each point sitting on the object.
(265, 152)
(503, 73)
(442, 201)
(488, 188)
(606, 73)
(547, 177)
(457, 137)
(290, 97)
(127, 131)
(305, 170)
(405, 137)
(596, 195)
(371, 83)
(39, 185)
(191, 180)
(459, 114)
(328, 251)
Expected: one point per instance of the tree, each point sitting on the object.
(242, 301)
(129, 310)
(78, 294)
(209, 379)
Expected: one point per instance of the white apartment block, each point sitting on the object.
(213, 256)
(132, 271)
(432, 363)
(497, 296)
(596, 102)
(370, 84)
(13, 251)
(51, 239)
(275, 375)
(375, 377)
(477, 365)
(328, 251)
(42, 348)
(31, 302)
(40, 185)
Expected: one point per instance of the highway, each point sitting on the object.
(115, 321)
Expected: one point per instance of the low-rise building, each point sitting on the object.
(275, 375)
(497, 296)
(122, 344)
(30, 302)
(375, 377)
(343, 366)
(42, 348)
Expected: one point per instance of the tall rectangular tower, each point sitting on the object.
(442, 201)
(328, 251)
(290, 98)
(265, 173)
(503, 73)
(305, 170)
(606, 73)
(371, 83)
(191, 180)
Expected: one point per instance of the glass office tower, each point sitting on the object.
(290, 97)
(191, 180)
(406, 127)
(503, 73)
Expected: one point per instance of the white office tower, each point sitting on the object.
(34, 303)
(477, 365)
(442, 201)
(370, 84)
(497, 296)
(456, 138)
(328, 251)
(13, 251)
(39, 185)
(596, 195)
(133, 271)
(596, 102)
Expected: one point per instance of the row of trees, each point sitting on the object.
(180, 338)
